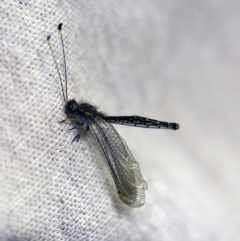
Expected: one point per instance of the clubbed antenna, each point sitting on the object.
(60, 78)
(55, 61)
(64, 59)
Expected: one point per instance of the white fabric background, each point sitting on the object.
(168, 60)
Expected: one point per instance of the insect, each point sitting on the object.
(124, 169)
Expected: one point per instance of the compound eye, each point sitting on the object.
(72, 108)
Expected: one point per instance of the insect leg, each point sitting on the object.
(67, 120)
(77, 137)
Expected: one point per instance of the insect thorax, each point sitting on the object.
(86, 110)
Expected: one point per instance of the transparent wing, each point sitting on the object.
(122, 165)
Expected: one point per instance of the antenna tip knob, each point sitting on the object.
(60, 26)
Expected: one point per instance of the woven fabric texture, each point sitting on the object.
(171, 60)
